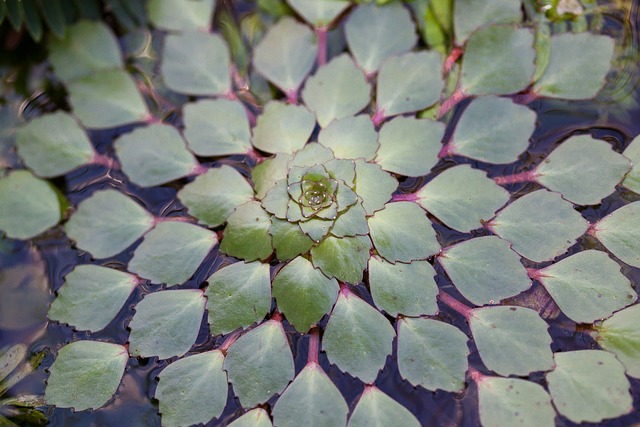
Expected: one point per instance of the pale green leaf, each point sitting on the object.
(181, 14)
(589, 385)
(260, 364)
(373, 185)
(277, 199)
(620, 335)
(540, 225)
(91, 297)
(238, 295)
(485, 270)
(166, 323)
(432, 354)
(192, 390)
(311, 397)
(343, 258)
(247, 233)
(213, 196)
(409, 146)
(310, 155)
(283, 128)
(319, 13)
(303, 293)
(376, 409)
(289, 240)
(28, 205)
(350, 137)
(316, 228)
(255, 418)
(265, 174)
(353, 222)
(85, 374)
(619, 232)
(357, 338)
(470, 15)
(632, 152)
(53, 144)
(375, 33)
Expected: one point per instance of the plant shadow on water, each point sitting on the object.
(36, 270)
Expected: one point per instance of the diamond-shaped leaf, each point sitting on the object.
(181, 14)
(265, 174)
(619, 232)
(247, 233)
(632, 152)
(376, 409)
(350, 137)
(255, 418)
(373, 185)
(620, 334)
(343, 258)
(289, 240)
(283, 128)
(319, 13)
(470, 15)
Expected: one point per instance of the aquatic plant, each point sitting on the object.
(316, 237)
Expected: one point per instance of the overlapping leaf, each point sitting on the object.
(619, 232)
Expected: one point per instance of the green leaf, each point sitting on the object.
(172, 252)
(511, 340)
(409, 82)
(466, 265)
(303, 293)
(154, 155)
(373, 185)
(196, 63)
(310, 155)
(493, 130)
(216, 127)
(286, 54)
(289, 240)
(260, 364)
(91, 297)
(432, 354)
(238, 295)
(620, 335)
(166, 323)
(32, 19)
(87, 47)
(491, 51)
(106, 99)
(54, 17)
(591, 64)
(462, 198)
(407, 289)
(85, 375)
(619, 232)
(337, 90)
(319, 13)
(28, 205)
(53, 144)
(402, 232)
(247, 233)
(192, 390)
(632, 152)
(213, 196)
(409, 146)
(277, 199)
(584, 170)
(587, 286)
(265, 174)
(311, 397)
(357, 338)
(353, 222)
(283, 128)
(540, 225)
(181, 14)
(470, 15)
(343, 258)
(375, 33)
(351, 137)
(255, 418)
(107, 222)
(316, 228)
(512, 401)
(376, 409)
(589, 385)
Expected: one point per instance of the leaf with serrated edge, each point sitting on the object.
(166, 323)
(512, 401)
(283, 128)
(470, 15)
(353, 222)
(213, 196)
(303, 293)
(373, 185)
(619, 232)
(632, 152)
(402, 232)
(350, 137)
(192, 390)
(375, 33)
(91, 297)
(238, 295)
(247, 233)
(85, 374)
(289, 240)
(311, 397)
(181, 14)
(172, 252)
(432, 354)
(540, 225)
(587, 286)
(343, 258)
(357, 338)
(107, 222)
(255, 418)
(409, 146)
(337, 90)
(462, 198)
(511, 340)
(265, 175)
(376, 409)
(467, 265)
(260, 364)
(589, 385)
(319, 13)
(620, 335)
(407, 289)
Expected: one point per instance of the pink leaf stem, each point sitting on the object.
(292, 96)
(447, 150)
(593, 230)
(104, 160)
(344, 289)
(378, 117)
(526, 176)
(231, 338)
(454, 55)
(450, 102)
(476, 375)
(405, 197)
(199, 169)
(254, 155)
(535, 274)
(314, 346)
(455, 304)
(321, 34)
(276, 316)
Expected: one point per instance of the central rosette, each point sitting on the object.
(315, 193)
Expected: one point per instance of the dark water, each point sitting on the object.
(47, 259)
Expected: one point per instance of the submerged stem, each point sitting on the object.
(231, 338)
(314, 346)
(405, 197)
(526, 176)
(378, 117)
(450, 102)
(321, 34)
(455, 304)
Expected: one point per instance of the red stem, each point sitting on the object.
(292, 96)
(526, 176)
(450, 102)
(593, 230)
(321, 34)
(378, 117)
(454, 55)
(476, 375)
(199, 169)
(447, 150)
(231, 338)
(535, 274)
(455, 304)
(276, 316)
(314, 346)
(405, 197)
